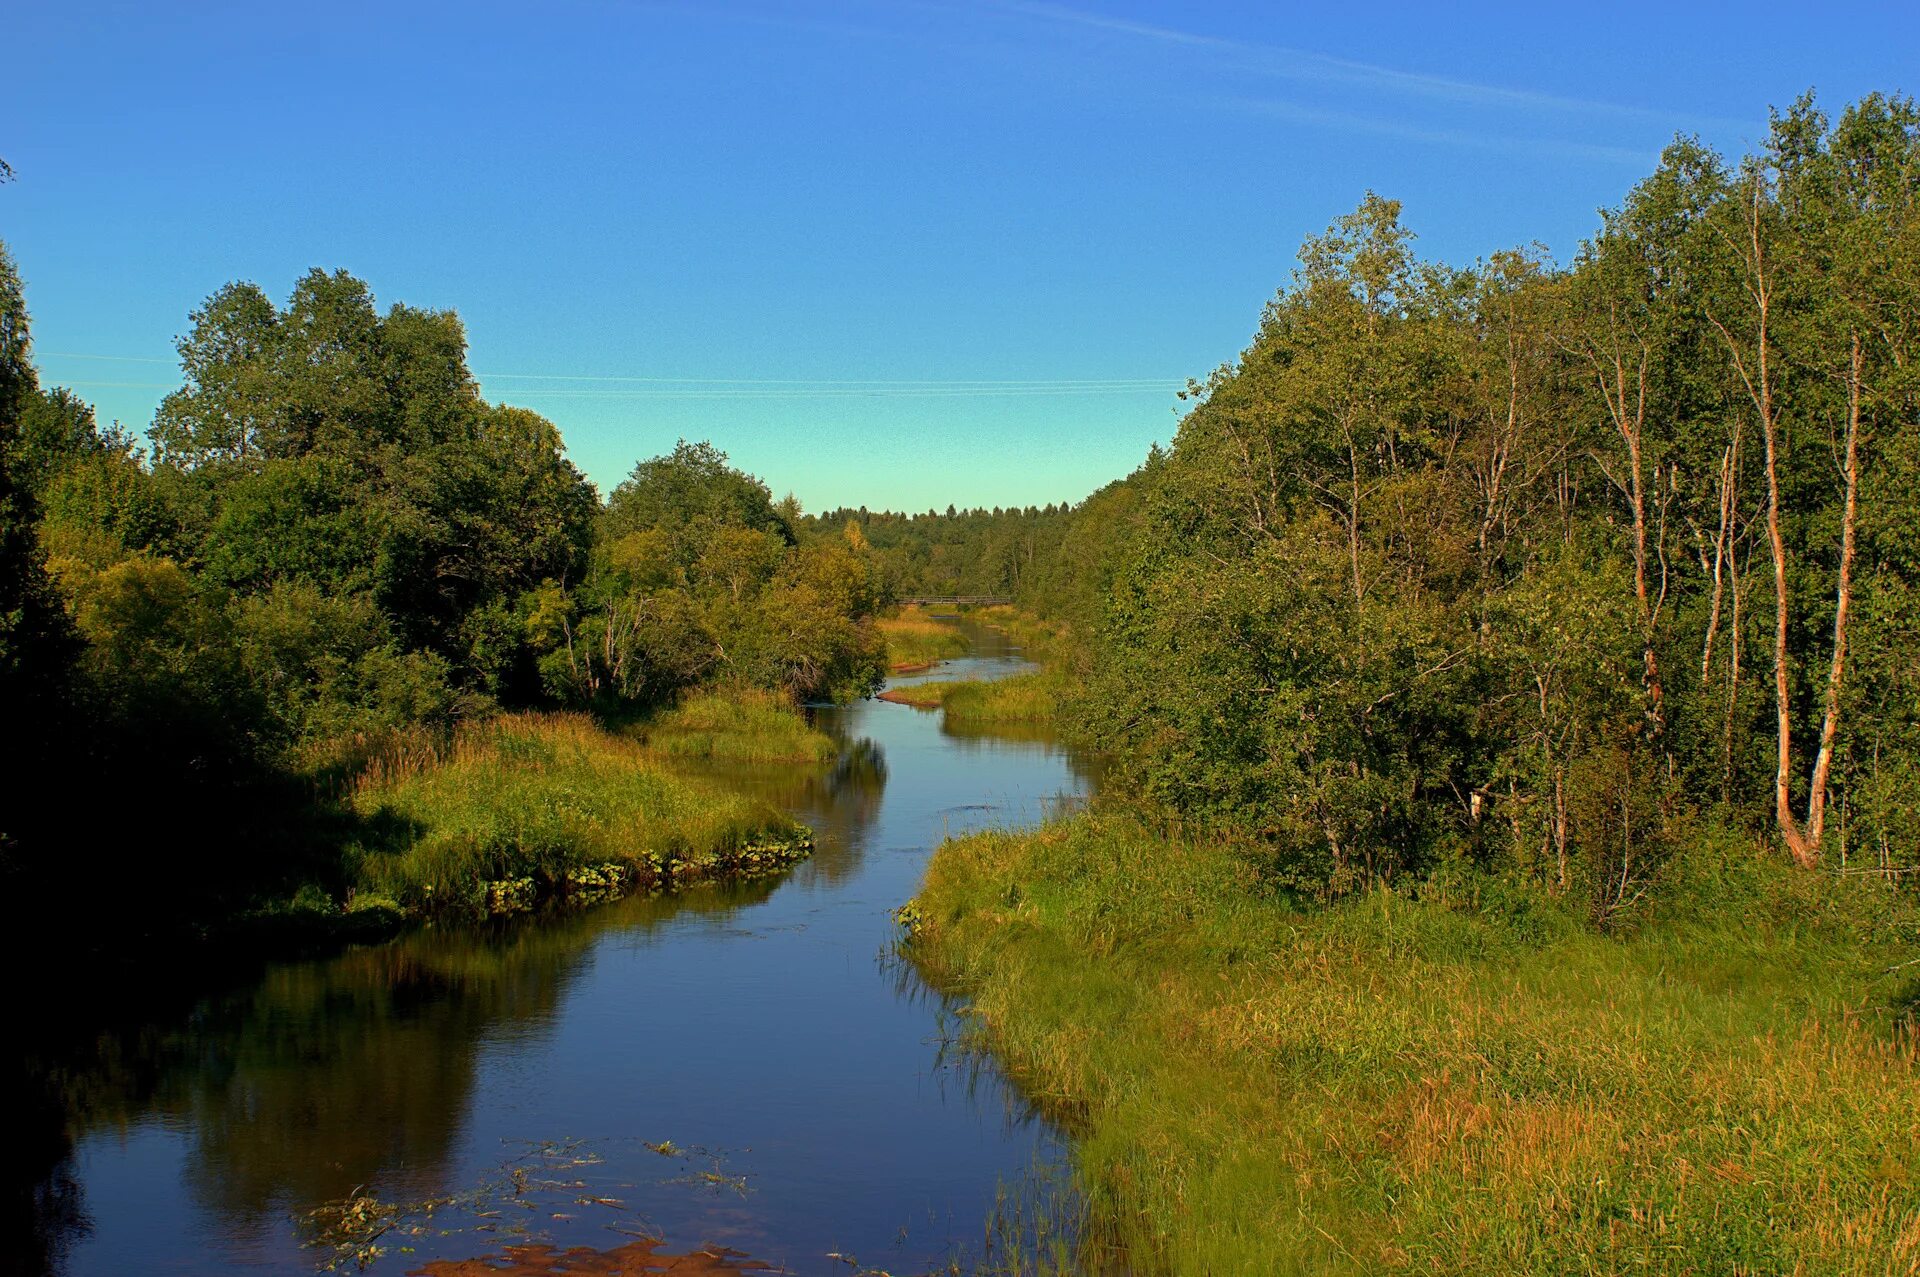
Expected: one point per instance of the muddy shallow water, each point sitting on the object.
(732, 1067)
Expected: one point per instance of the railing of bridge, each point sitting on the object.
(959, 600)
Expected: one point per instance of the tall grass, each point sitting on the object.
(523, 806)
(735, 725)
(1466, 1083)
(916, 641)
(1043, 640)
(1024, 698)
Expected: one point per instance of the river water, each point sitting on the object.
(738, 1066)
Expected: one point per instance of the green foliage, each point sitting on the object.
(1479, 561)
(689, 496)
(696, 577)
(337, 544)
(35, 639)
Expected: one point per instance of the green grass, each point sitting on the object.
(525, 806)
(915, 641)
(1044, 641)
(1024, 698)
(735, 725)
(1469, 1083)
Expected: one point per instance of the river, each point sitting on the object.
(733, 1066)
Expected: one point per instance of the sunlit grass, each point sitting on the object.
(1445, 1084)
(737, 725)
(546, 800)
(1024, 698)
(916, 641)
(1041, 639)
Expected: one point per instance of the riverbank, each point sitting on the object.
(916, 642)
(1466, 1082)
(511, 812)
(732, 725)
(527, 807)
(1022, 699)
(435, 1066)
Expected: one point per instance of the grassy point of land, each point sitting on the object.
(916, 642)
(1044, 640)
(533, 805)
(1024, 698)
(735, 725)
(1471, 1081)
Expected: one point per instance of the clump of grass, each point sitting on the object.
(736, 725)
(915, 641)
(1024, 698)
(1440, 1085)
(519, 808)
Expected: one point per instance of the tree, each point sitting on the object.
(35, 638)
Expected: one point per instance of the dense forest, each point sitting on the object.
(333, 538)
(1532, 565)
(1512, 563)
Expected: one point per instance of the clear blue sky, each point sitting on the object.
(892, 254)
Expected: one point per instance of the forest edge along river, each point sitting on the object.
(734, 1070)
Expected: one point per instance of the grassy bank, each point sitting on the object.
(916, 642)
(1044, 641)
(522, 807)
(1025, 698)
(1468, 1083)
(735, 725)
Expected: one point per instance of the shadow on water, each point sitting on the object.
(728, 1064)
(309, 1080)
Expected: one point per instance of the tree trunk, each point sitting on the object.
(1842, 611)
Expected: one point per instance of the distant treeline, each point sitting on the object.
(333, 537)
(1048, 557)
(1535, 566)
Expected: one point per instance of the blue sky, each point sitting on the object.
(897, 254)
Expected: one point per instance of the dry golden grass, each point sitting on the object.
(916, 641)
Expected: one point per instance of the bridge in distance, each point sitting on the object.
(958, 600)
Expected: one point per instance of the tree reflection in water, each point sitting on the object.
(315, 1079)
(205, 1123)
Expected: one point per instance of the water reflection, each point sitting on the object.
(747, 1028)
